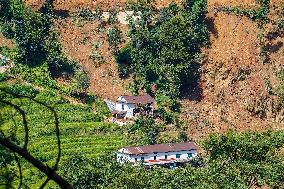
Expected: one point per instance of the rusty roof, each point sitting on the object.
(140, 99)
(118, 112)
(171, 147)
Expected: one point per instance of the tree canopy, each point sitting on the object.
(165, 43)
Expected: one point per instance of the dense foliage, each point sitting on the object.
(144, 131)
(233, 161)
(30, 31)
(164, 44)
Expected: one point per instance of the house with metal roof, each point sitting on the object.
(158, 154)
(130, 106)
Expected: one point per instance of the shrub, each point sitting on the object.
(114, 39)
(3, 77)
(112, 16)
(144, 131)
(101, 108)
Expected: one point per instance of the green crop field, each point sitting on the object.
(81, 133)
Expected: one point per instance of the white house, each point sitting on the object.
(4, 59)
(129, 106)
(5, 64)
(158, 154)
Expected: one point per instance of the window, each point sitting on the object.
(166, 156)
(122, 106)
(177, 155)
(189, 155)
(142, 158)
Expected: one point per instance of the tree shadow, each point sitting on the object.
(61, 13)
(274, 34)
(273, 48)
(191, 88)
(211, 26)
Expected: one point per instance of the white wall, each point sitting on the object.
(127, 107)
(121, 157)
(130, 110)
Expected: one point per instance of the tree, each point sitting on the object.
(114, 39)
(145, 131)
(246, 159)
(29, 29)
(164, 44)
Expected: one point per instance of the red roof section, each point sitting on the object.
(141, 99)
(118, 112)
(172, 147)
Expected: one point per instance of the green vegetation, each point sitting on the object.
(144, 131)
(96, 55)
(163, 45)
(114, 39)
(38, 54)
(30, 30)
(161, 54)
(101, 108)
(233, 161)
(81, 131)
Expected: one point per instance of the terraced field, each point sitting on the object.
(81, 134)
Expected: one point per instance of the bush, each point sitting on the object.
(144, 131)
(123, 60)
(3, 77)
(101, 108)
(80, 82)
(166, 116)
(114, 39)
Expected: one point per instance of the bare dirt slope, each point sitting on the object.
(233, 81)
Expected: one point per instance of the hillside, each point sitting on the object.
(232, 78)
(214, 70)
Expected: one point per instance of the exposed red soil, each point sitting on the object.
(5, 42)
(77, 41)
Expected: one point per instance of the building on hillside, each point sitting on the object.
(4, 60)
(130, 106)
(5, 64)
(174, 154)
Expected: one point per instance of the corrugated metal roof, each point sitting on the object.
(172, 147)
(141, 99)
(118, 112)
